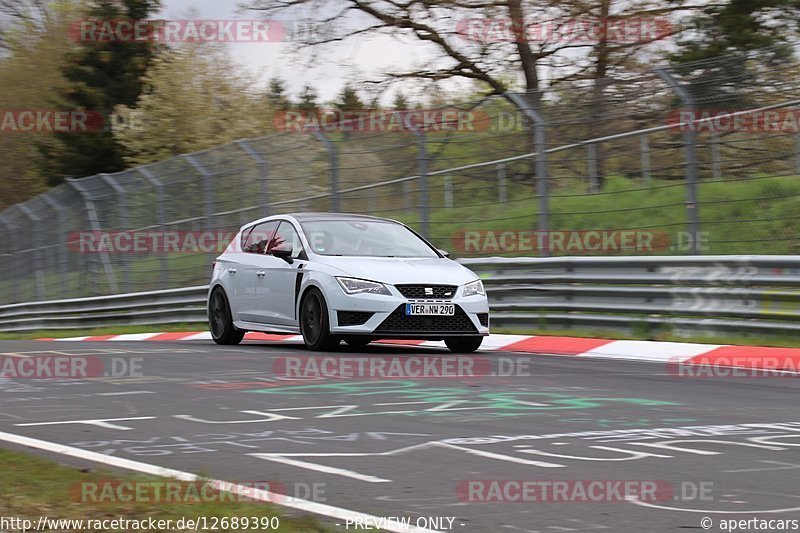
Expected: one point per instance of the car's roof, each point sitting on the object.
(315, 216)
(305, 217)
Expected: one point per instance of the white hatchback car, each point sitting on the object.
(333, 277)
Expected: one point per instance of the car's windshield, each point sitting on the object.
(367, 238)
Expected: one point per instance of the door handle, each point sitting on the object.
(261, 273)
(231, 271)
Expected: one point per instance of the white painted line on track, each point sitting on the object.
(128, 393)
(260, 495)
(320, 468)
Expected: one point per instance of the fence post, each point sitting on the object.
(62, 246)
(542, 177)
(13, 286)
(334, 162)
(448, 191)
(422, 165)
(208, 189)
(715, 159)
(644, 147)
(690, 142)
(94, 223)
(263, 174)
(797, 152)
(502, 186)
(594, 178)
(158, 186)
(38, 258)
(122, 219)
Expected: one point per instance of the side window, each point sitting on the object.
(257, 241)
(287, 236)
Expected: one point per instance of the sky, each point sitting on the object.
(354, 60)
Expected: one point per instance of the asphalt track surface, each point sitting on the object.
(726, 448)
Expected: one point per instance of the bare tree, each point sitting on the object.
(495, 42)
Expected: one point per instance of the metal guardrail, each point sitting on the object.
(172, 306)
(709, 294)
(712, 294)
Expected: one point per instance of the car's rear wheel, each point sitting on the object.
(357, 341)
(463, 344)
(314, 323)
(220, 320)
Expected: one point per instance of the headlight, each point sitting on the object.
(362, 286)
(476, 287)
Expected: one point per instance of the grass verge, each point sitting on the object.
(33, 487)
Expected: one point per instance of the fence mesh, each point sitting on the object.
(701, 158)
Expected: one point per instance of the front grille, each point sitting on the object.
(483, 318)
(353, 318)
(417, 292)
(398, 322)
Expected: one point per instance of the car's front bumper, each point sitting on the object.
(388, 318)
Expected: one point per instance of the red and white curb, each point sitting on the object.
(714, 355)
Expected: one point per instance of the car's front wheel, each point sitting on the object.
(314, 323)
(463, 344)
(220, 320)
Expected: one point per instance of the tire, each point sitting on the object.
(314, 323)
(220, 321)
(357, 341)
(463, 344)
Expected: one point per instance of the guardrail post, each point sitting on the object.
(448, 191)
(333, 153)
(208, 189)
(13, 286)
(122, 220)
(62, 247)
(542, 177)
(594, 178)
(690, 142)
(36, 241)
(263, 174)
(644, 148)
(502, 185)
(158, 186)
(94, 223)
(422, 166)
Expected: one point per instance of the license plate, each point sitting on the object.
(430, 309)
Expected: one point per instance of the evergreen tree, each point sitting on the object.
(101, 76)
(308, 99)
(349, 99)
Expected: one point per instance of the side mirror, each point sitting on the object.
(444, 253)
(283, 252)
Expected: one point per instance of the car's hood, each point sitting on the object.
(394, 270)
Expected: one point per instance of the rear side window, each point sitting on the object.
(259, 238)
